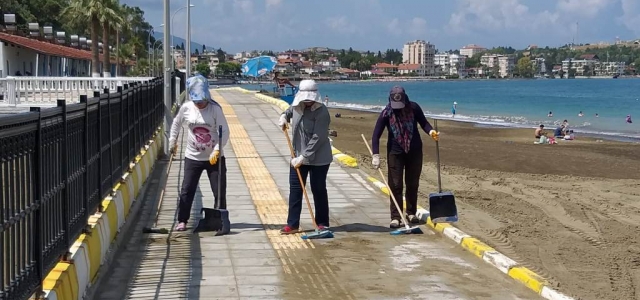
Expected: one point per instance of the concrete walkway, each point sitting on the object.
(255, 262)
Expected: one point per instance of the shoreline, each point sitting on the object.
(610, 136)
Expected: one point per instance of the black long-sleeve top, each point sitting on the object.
(392, 145)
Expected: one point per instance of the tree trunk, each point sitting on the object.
(95, 55)
(106, 61)
(118, 70)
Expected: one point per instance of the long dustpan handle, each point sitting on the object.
(384, 179)
(304, 188)
(218, 199)
(435, 124)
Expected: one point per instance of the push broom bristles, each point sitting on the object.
(318, 234)
(407, 230)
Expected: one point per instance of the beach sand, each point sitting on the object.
(570, 212)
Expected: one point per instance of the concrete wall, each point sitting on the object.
(16, 58)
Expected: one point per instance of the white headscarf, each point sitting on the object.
(308, 91)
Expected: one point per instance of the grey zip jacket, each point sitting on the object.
(311, 133)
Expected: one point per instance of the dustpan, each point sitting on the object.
(442, 205)
(215, 219)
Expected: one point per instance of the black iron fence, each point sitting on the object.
(56, 165)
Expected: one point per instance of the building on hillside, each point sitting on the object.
(406, 69)
(23, 56)
(422, 53)
(210, 58)
(539, 66)
(471, 50)
(385, 67)
(504, 64)
(290, 54)
(590, 65)
(331, 64)
(450, 64)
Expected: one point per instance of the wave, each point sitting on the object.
(498, 121)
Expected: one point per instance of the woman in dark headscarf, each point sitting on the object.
(401, 118)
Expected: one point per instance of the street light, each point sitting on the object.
(153, 47)
(188, 50)
(174, 15)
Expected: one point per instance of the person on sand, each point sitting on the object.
(204, 151)
(559, 132)
(310, 120)
(401, 118)
(539, 131)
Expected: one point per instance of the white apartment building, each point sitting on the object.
(422, 53)
(450, 64)
(539, 65)
(505, 64)
(471, 50)
(596, 67)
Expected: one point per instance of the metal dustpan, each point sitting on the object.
(442, 205)
(215, 219)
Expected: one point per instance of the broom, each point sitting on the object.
(318, 234)
(408, 229)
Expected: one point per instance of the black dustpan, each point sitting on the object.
(442, 205)
(215, 219)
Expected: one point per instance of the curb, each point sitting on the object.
(338, 156)
(72, 279)
(491, 256)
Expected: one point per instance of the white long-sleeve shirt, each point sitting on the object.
(202, 137)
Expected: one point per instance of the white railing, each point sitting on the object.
(47, 90)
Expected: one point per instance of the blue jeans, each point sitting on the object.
(318, 177)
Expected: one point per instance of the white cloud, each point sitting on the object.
(584, 8)
(272, 3)
(394, 27)
(496, 15)
(244, 6)
(341, 24)
(417, 27)
(631, 15)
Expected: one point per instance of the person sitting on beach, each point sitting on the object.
(280, 82)
(559, 132)
(539, 131)
(569, 136)
(404, 150)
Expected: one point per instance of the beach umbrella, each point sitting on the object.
(259, 66)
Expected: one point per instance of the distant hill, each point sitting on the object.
(178, 41)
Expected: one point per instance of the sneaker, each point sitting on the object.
(322, 227)
(289, 230)
(413, 219)
(394, 224)
(182, 226)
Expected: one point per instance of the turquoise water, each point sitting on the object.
(517, 103)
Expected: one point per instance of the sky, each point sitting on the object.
(244, 25)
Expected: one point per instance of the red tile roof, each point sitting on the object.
(47, 48)
(589, 56)
(384, 66)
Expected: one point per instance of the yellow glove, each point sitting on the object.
(174, 149)
(434, 135)
(213, 159)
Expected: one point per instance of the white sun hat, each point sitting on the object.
(308, 91)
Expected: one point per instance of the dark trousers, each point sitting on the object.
(318, 177)
(411, 165)
(192, 171)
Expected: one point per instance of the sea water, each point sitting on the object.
(515, 103)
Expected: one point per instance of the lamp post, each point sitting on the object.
(188, 50)
(149, 49)
(153, 47)
(174, 15)
(167, 78)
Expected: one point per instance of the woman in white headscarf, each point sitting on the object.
(310, 129)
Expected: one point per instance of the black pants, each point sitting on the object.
(411, 165)
(318, 177)
(192, 171)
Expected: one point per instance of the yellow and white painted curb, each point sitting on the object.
(500, 261)
(71, 280)
(338, 156)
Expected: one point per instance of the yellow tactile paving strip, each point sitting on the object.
(314, 276)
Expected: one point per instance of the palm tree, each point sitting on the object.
(81, 12)
(110, 20)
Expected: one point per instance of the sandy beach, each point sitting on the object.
(570, 212)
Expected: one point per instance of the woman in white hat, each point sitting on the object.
(310, 129)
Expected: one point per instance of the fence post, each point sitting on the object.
(121, 133)
(177, 100)
(37, 213)
(85, 151)
(11, 91)
(111, 179)
(64, 169)
(100, 178)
